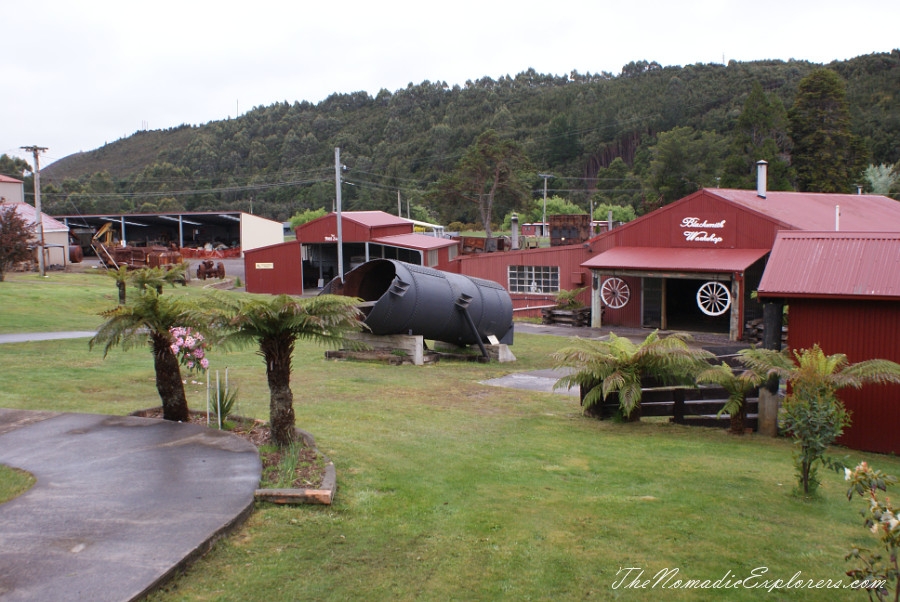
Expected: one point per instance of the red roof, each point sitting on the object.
(357, 226)
(9, 180)
(833, 264)
(816, 210)
(420, 242)
(675, 259)
(373, 219)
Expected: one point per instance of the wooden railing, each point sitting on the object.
(692, 405)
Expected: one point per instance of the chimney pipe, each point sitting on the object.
(761, 171)
(515, 231)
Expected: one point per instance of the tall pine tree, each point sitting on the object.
(826, 157)
(760, 134)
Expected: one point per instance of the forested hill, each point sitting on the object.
(280, 158)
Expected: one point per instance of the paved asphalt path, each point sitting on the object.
(119, 504)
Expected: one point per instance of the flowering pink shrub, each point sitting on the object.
(189, 346)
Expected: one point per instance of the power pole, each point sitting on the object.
(337, 200)
(36, 151)
(544, 215)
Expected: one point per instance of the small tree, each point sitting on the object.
(812, 413)
(308, 215)
(275, 324)
(15, 239)
(121, 277)
(150, 320)
(618, 365)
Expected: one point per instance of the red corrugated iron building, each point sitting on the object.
(843, 292)
(274, 270)
(649, 272)
(663, 260)
(312, 260)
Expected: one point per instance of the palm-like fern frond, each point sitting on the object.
(736, 384)
(618, 365)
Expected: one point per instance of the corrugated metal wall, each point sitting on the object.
(325, 229)
(745, 229)
(274, 270)
(861, 330)
(631, 314)
(493, 266)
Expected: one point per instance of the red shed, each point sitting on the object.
(274, 270)
(356, 226)
(693, 264)
(843, 290)
(312, 260)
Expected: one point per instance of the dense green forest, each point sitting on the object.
(642, 138)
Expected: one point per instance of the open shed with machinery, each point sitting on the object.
(843, 294)
(195, 234)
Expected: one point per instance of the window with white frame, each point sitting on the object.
(533, 278)
(432, 259)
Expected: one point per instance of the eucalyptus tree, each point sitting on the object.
(274, 325)
(491, 170)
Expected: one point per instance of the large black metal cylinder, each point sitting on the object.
(401, 298)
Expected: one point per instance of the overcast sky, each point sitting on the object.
(76, 75)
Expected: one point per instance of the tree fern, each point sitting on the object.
(617, 365)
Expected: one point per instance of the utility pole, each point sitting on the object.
(337, 191)
(36, 151)
(544, 215)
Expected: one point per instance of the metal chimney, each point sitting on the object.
(761, 174)
(515, 230)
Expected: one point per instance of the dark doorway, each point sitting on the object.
(683, 312)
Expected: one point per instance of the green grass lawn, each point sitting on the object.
(13, 483)
(449, 489)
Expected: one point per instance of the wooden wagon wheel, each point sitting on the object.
(615, 293)
(713, 298)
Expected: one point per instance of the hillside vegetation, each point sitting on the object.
(602, 137)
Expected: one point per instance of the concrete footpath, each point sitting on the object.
(120, 502)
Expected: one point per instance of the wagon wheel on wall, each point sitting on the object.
(615, 293)
(713, 298)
